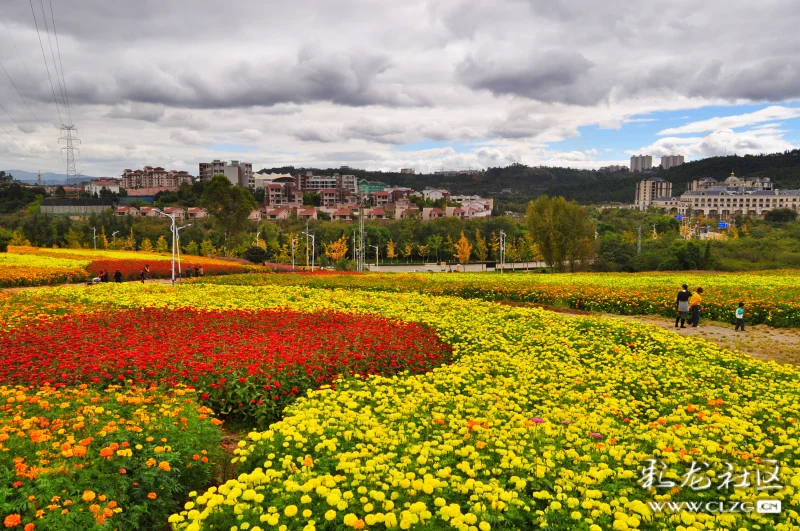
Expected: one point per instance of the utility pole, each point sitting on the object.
(502, 251)
(174, 233)
(294, 240)
(94, 237)
(114, 236)
(376, 255)
(313, 246)
(178, 234)
(306, 233)
(639, 242)
(70, 138)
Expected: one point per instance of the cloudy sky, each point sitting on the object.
(385, 84)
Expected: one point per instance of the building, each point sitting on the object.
(196, 213)
(408, 170)
(95, 186)
(368, 187)
(432, 194)
(76, 208)
(126, 211)
(649, 189)
(724, 202)
(641, 162)
(432, 213)
(239, 173)
(669, 161)
(613, 168)
(150, 177)
(178, 212)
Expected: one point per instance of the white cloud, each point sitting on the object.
(768, 114)
(721, 142)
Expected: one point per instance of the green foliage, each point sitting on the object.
(229, 206)
(206, 248)
(161, 245)
(562, 231)
(256, 255)
(192, 249)
(5, 237)
(780, 215)
(312, 199)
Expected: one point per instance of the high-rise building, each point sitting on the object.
(668, 161)
(641, 162)
(150, 177)
(649, 190)
(240, 173)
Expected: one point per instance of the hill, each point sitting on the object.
(47, 178)
(585, 186)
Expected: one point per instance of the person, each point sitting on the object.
(740, 317)
(682, 304)
(147, 270)
(117, 276)
(200, 274)
(694, 305)
(189, 272)
(197, 270)
(142, 275)
(105, 275)
(96, 280)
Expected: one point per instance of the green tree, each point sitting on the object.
(434, 244)
(562, 231)
(161, 245)
(206, 247)
(192, 248)
(480, 249)
(229, 207)
(5, 237)
(147, 246)
(73, 239)
(60, 192)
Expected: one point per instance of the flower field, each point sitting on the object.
(33, 266)
(770, 297)
(530, 420)
(22, 270)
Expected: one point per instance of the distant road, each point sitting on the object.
(438, 268)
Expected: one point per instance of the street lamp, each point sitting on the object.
(94, 237)
(502, 251)
(257, 233)
(293, 242)
(114, 236)
(313, 238)
(376, 255)
(174, 232)
(178, 234)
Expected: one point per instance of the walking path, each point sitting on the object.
(765, 343)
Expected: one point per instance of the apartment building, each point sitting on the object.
(150, 177)
(745, 184)
(650, 189)
(238, 173)
(669, 161)
(641, 162)
(95, 186)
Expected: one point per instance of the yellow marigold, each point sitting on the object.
(88, 496)
(163, 465)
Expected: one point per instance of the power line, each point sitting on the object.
(53, 55)
(47, 67)
(20, 94)
(58, 47)
(16, 141)
(12, 119)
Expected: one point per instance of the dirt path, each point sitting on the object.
(23, 288)
(781, 345)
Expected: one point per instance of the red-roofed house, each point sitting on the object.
(178, 212)
(148, 212)
(455, 212)
(126, 211)
(278, 213)
(196, 213)
(255, 215)
(342, 214)
(307, 213)
(432, 213)
(376, 213)
(381, 198)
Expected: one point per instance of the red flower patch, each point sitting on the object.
(130, 269)
(247, 363)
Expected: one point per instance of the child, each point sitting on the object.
(740, 317)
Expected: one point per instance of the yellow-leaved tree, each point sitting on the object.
(463, 249)
(391, 249)
(336, 251)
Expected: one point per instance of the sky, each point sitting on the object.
(384, 85)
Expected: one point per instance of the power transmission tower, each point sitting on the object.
(70, 138)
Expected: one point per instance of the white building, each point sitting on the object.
(668, 161)
(724, 202)
(408, 170)
(239, 173)
(641, 162)
(431, 194)
(650, 189)
(95, 185)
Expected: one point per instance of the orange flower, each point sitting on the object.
(358, 524)
(30, 527)
(107, 453)
(480, 445)
(12, 520)
(112, 504)
(152, 495)
(438, 421)
(308, 461)
(79, 451)
(163, 465)
(123, 471)
(196, 457)
(86, 442)
(88, 496)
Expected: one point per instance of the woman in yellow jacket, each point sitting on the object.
(694, 306)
